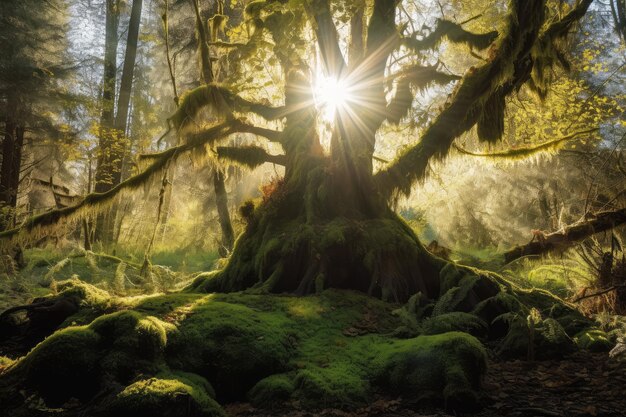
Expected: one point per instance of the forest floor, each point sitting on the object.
(583, 384)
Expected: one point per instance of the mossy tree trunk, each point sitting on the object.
(328, 222)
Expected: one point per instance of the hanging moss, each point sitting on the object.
(454, 32)
(490, 125)
(248, 156)
(416, 77)
(211, 97)
(547, 148)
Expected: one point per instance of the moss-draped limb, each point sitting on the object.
(37, 225)
(415, 77)
(548, 147)
(212, 96)
(454, 32)
(248, 156)
(510, 68)
(569, 236)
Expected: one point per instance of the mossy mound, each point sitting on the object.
(170, 351)
(448, 364)
(166, 395)
(333, 349)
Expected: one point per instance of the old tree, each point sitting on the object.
(328, 223)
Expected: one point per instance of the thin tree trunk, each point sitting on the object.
(104, 169)
(221, 198)
(221, 201)
(123, 102)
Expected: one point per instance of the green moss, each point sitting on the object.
(165, 395)
(448, 366)
(337, 386)
(133, 341)
(594, 340)
(271, 391)
(232, 345)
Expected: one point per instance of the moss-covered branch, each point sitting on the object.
(549, 147)
(452, 31)
(480, 97)
(210, 96)
(248, 156)
(416, 77)
(37, 225)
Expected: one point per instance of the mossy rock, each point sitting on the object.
(165, 395)
(273, 390)
(594, 340)
(449, 366)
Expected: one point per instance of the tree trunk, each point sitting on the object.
(221, 198)
(104, 169)
(11, 166)
(221, 201)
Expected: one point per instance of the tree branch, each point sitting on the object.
(452, 31)
(327, 38)
(206, 96)
(37, 225)
(479, 98)
(249, 156)
(568, 236)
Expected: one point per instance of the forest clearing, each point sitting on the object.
(312, 208)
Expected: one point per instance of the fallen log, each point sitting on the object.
(568, 236)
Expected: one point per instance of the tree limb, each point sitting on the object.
(479, 98)
(36, 225)
(327, 37)
(249, 156)
(452, 31)
(214, 96)
(569, 236)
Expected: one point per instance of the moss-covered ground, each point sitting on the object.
(187, 353)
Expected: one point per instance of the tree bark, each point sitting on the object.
(104, 168)
(567, 237)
